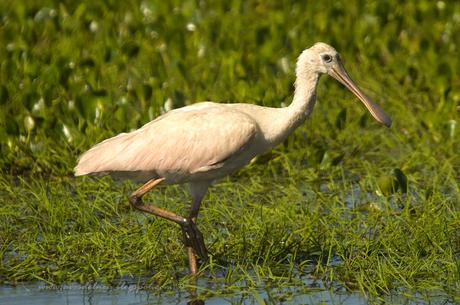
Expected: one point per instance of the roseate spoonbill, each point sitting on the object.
(200, 143)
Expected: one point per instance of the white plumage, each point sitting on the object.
(200, 143)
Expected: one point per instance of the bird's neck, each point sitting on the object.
(297, 112)
(304, 98)
(303, 102)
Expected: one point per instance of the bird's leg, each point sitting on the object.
(193, 239)
(136, 200)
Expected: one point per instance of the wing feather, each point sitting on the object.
(187, 140)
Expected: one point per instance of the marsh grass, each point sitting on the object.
(343, 201)
(260, 233)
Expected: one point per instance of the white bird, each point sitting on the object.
(200, 143)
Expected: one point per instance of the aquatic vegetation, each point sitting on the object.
(343, 200)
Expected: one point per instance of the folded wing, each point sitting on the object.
(182, 141)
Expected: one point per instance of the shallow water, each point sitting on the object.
(38, 293)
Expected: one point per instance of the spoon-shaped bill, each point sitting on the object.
(340, 74)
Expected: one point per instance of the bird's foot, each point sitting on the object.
(193, 238)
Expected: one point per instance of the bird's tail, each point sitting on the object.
(103, 157)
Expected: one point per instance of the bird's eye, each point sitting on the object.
(327, 58)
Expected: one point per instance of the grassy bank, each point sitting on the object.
(343, 200)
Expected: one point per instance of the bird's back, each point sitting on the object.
(199, 141)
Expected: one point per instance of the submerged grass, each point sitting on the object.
(260, 234)
(343, 201)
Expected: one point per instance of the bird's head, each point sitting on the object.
(324, 59)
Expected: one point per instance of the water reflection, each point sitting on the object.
(42, 294)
